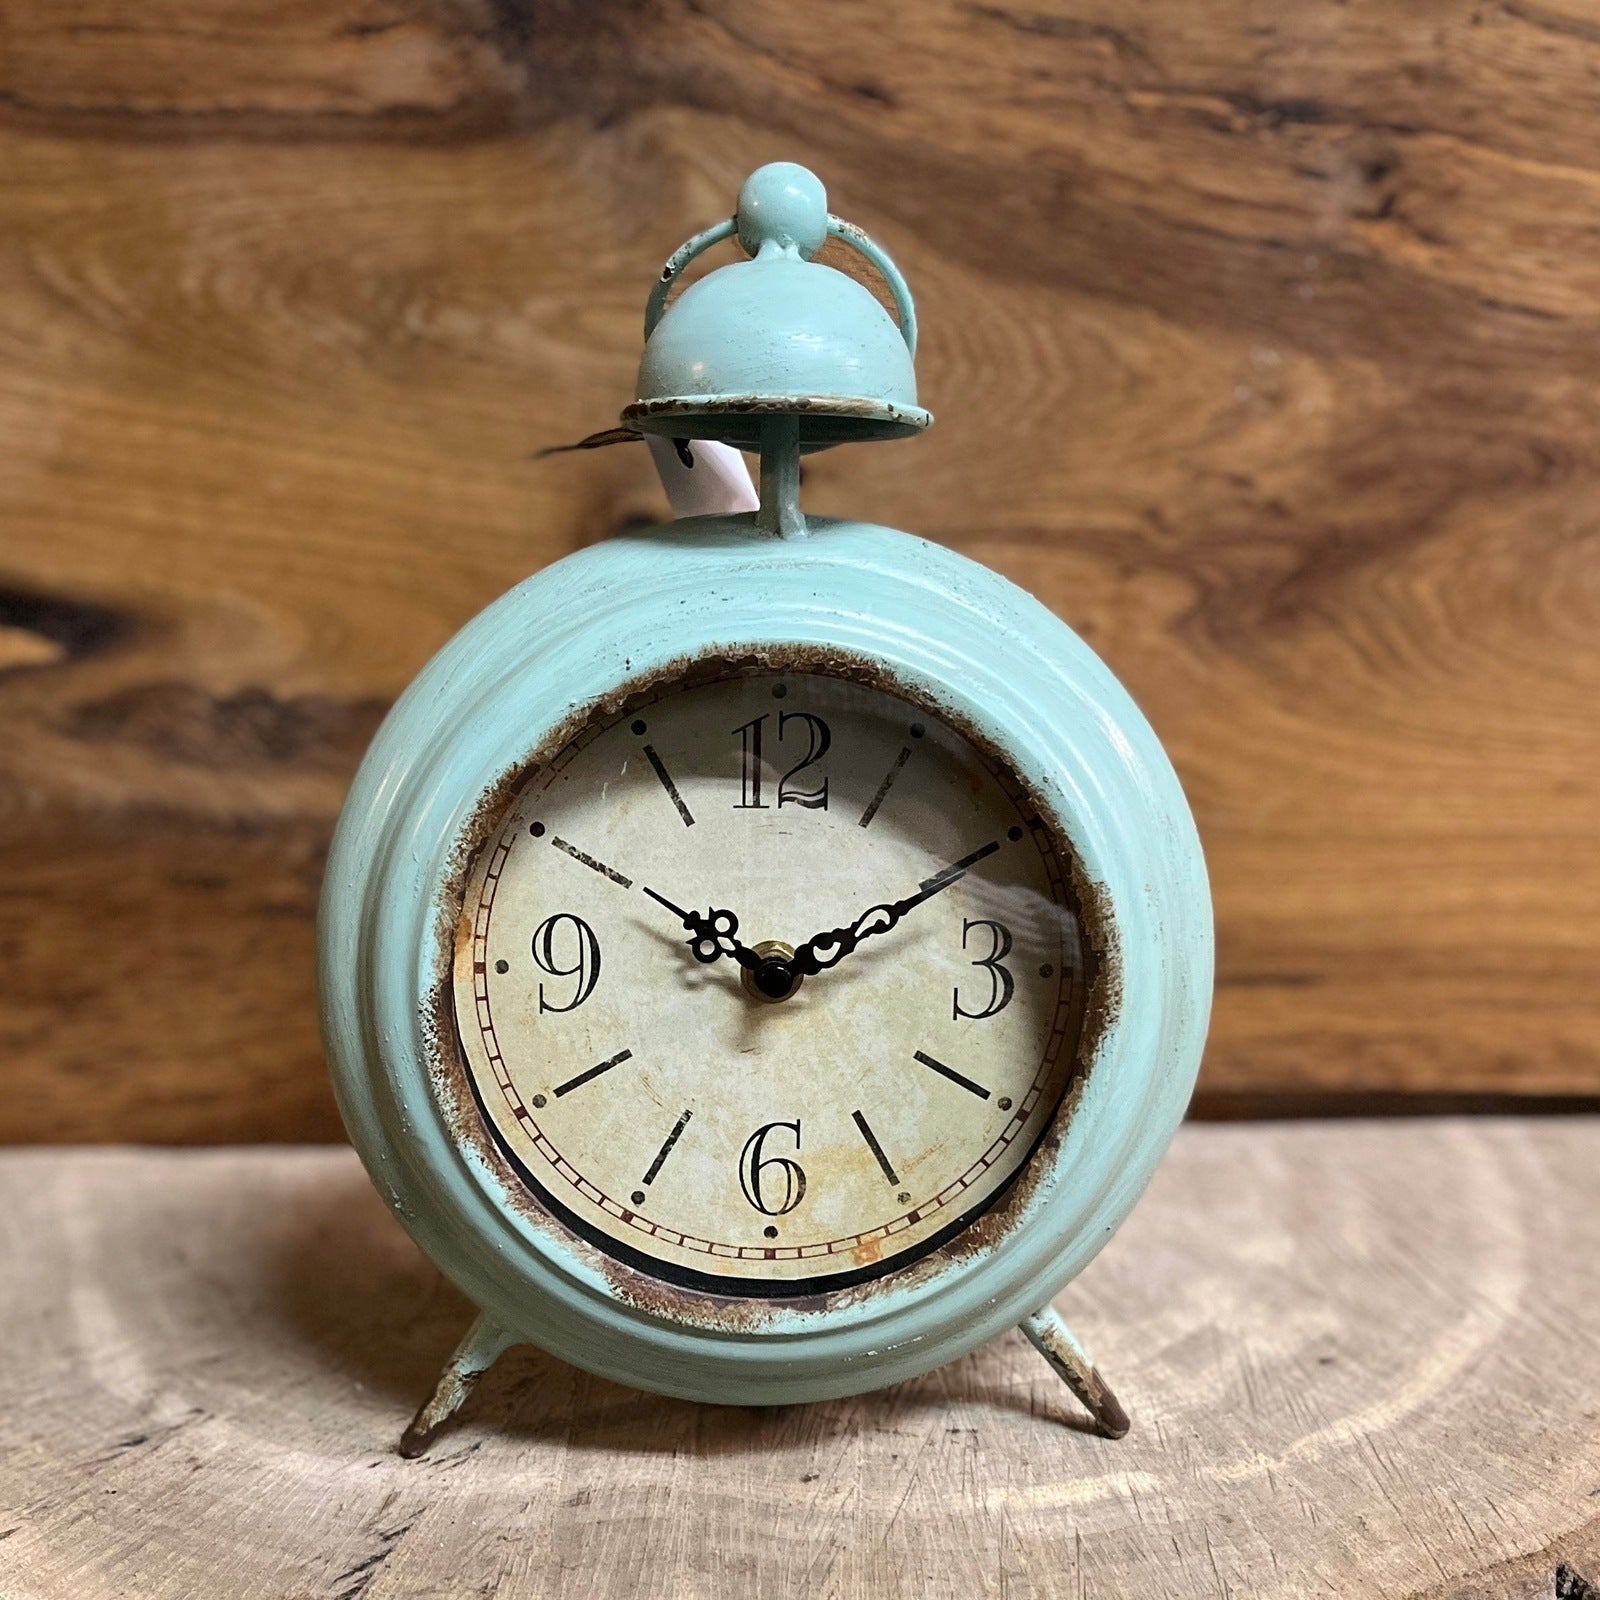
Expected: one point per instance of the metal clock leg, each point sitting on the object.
(1054, 1340)
(485, 1342)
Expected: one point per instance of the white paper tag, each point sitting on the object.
(717, 485)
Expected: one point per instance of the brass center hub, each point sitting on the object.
(775, 979)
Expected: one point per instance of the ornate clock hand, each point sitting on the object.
(826, 950)
(711, 935)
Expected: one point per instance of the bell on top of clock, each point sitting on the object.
(779, 335)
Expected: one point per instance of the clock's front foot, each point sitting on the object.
(1054, 1340)
(485, 1342)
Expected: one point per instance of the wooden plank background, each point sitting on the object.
(1264, 343)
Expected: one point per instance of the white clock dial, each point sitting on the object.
(853, 1044)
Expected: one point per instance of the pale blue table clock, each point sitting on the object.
(764, 957)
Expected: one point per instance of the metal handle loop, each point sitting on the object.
(849, 233)
(846, 232)
(676, 262)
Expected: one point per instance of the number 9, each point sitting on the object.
(586, 969)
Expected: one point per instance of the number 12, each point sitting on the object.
(818, 740)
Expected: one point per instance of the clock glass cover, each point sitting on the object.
(770, 982)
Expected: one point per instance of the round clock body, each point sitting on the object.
(762, 968)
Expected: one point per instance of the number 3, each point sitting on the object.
(1001, 984)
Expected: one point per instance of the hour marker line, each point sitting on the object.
(876, 1148)
(667, 784)
(954, 1076)
(956, 868)
(666, 1149)
(593, 1072)
(589, 861)
(883, 788)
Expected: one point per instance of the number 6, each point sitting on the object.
(756, 1170)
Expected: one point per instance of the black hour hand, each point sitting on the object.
(712, 934)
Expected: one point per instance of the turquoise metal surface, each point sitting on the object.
(939, 629)
(780, 332)
(945, 628)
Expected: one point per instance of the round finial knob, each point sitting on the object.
(786, 204)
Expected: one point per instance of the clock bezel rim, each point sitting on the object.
(672, 1295)
(565, 639)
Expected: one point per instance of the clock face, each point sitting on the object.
(771, 983)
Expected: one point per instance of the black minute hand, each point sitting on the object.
(710, 935)
(825, 950)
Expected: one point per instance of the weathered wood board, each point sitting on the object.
(1264, 345)
(1362, 1359)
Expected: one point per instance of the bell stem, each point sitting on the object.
(780, 511)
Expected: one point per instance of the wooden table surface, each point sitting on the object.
(1363, 1360)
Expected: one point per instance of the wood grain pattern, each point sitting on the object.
(1263, 344)
(210, 1356)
